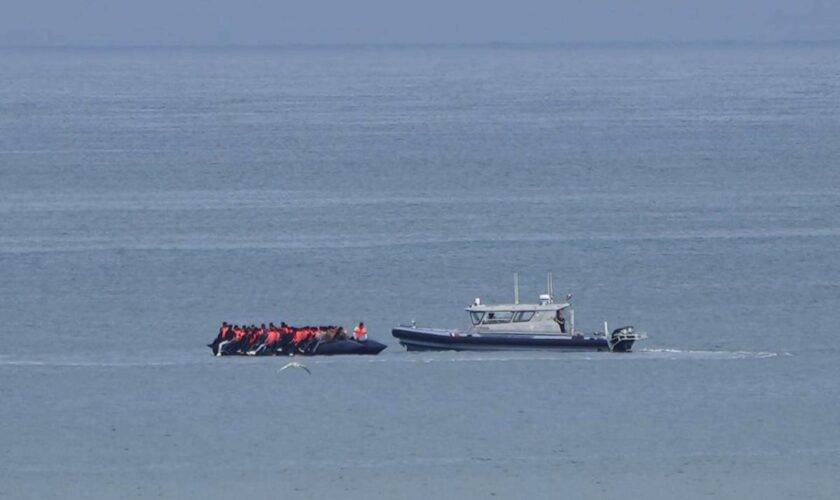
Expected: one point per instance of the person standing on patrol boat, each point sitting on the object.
(359, 333)
(561, 321)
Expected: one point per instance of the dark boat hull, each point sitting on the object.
(427, 339)
(370, 347)
(336, 347)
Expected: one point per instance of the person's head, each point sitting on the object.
(361, 323)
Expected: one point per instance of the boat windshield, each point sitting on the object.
(498, 317)
(476, 317)
(523, 316)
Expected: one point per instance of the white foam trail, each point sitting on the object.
(709, 354)
(535, 356)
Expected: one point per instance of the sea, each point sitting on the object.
(148, 194)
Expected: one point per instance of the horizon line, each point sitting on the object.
(485, 44)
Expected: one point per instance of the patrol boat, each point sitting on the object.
(519, 326)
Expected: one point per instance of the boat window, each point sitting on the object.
(498, 317)
(476, 317)
(523, 316)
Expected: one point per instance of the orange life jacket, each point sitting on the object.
(253, 337)
(360, 332)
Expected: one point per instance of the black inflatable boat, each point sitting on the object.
(349, 346)
(314, 348)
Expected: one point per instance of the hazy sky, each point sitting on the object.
(161, 22)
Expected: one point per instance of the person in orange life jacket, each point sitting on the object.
(264, 339)
(299, 336)
(360, 333)
(253, 338)
(235, 342)
(302, 338)
(286, 332)
(273, 336)
(224, 332)
(286, 335)
(315, 335)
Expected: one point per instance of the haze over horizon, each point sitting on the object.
(262, 22)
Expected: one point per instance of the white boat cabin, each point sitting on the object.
(546, 317)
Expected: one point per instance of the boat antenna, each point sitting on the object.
(550, 287)
(516, 288)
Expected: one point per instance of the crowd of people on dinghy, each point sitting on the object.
(272, 340)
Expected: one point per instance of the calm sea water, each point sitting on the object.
(147, 195)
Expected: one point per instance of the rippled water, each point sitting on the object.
(147, 195)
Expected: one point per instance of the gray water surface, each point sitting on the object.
(147, 195)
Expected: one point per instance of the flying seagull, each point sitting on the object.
(294, 364)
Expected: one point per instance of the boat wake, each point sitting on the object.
(707, 354)
(536, 356)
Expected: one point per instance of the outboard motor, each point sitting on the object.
(621, 339)
(623, 330)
